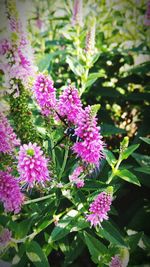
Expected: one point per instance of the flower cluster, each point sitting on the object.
(90, 149)
(99, 209)
(115, 262)
(76, 178)
(5, 46)
(45, 94)
(77, 13)
(17, 58)
(90, 39)
(147, 15)
(32, 165)
(5, 237)
(8, 139)
(69, 105)
(10, 193)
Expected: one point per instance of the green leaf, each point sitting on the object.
(22, 228)
(63, 227)
(108, 130)
(110, 157)
(75, 66)
(133, 240)
(109, 232)
(93, 77)
(44, 62)
(143, 170)
(145, 139)
(143, 160)
(75, 250)
(128, 176)
(146, 241)
(95, 57)
(36, 254)
(20, 259)
(94, 109)
(95, 247)
(129, 151)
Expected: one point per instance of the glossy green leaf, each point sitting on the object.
(133, 240)
(145, 139)
(128, 176)
(75, 250)
(108, 130)
(96, 248)
(110, 157)
(129, 151)
(143, 170)
(44, 62)
(75, 66)
(143, 160)
(93, 77)
(63, 227)
(110, 232)
(36, 254)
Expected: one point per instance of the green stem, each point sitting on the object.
(53, 151)
(64, 162)
(84, 80)
(37, 199)
(78, 41)
(114, 170)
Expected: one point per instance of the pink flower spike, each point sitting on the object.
(147, 15)
(77, 13)
(90, 149)
(45, 94)
(69, 105)
(10, 193)
(5, 46)
(75, 177)
(99, 209)
(5, 237)
(8, 139)
(115, 262)
(32, 165)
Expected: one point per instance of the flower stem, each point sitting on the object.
(114, 170)
(64, 162)
(53, 151)
(37, 199)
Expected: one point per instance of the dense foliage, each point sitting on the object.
(74, 125)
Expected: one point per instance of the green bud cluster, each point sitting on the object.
(12, 8)
(22, 117)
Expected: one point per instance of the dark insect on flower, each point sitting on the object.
(69, 132)
(73, 137)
